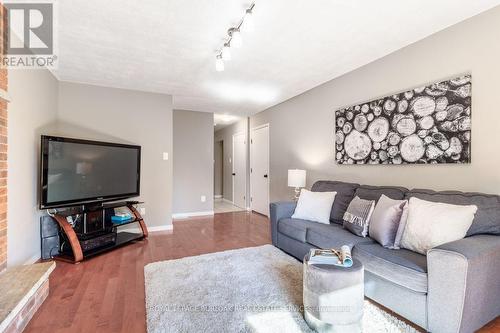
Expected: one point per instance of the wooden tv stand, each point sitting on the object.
(122, 238)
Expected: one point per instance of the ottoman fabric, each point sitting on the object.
(333, 297)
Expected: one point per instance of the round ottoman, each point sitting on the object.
(333, 297)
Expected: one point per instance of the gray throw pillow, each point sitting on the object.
(385, 220)
(357, 216)
(402, 226)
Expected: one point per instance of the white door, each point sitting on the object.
(239, 170)
(259, 170)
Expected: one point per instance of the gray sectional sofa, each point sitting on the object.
(455, 288)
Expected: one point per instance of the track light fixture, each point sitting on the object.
(234, 39)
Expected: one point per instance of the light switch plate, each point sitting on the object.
(165, 156)
(203, 198)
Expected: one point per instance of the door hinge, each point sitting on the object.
(251, 142)
(251, 170)
(251, 199)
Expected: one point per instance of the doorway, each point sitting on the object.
(259, 169)
(239, 170)
(218, 169)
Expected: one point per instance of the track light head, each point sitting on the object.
(248, 22)
(219, 63)
(236, 39)
(226, 52)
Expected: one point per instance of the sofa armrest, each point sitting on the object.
(463, 290)
(280, 210)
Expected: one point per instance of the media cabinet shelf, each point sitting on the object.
(122, 237)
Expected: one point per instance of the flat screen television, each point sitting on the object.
(81, 172)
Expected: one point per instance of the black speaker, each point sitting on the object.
(49, 233)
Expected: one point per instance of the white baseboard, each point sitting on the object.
(228, 201)
(150, 229)
(192, 214)
(217, 196)
(161, 228)
(32, 260)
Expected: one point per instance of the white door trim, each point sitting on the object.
(268, 159)
(232, 165)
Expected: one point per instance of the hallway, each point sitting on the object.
(224, 206)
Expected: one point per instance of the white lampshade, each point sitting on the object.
(296, 178)
(248, 23)
(219, 64)
(236, 39)
(226, 52)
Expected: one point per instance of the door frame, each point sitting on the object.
(268, 161)
(232, 166)
(221, 142)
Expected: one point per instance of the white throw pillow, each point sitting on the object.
(314, 206)
(431, 224)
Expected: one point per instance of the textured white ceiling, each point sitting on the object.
(224, 120)
(168, 46)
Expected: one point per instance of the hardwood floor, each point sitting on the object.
(106, 293)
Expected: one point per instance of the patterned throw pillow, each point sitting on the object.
(358, 214)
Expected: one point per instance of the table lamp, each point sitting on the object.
(297, 179)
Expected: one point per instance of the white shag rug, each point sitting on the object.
(255, 289)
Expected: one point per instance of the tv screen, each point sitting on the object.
(75, 172)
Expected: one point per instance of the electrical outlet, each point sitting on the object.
(203, 198)
(142, 211)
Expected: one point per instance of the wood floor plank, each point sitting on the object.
(106, 294)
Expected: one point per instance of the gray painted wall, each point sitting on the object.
(126, 116)
(42, 105)
(193, 158)
(32, 110)
(218, 168)
(302, 128)
(226, 135)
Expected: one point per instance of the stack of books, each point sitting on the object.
(120, 218)
(340, 257)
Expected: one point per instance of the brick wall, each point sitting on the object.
(3, 156)
(23, 317)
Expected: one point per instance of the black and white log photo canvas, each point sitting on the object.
(425, 125)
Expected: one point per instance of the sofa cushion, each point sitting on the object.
(332, 236)
(369, 192)
(487, 218)
(345, 194)
(294, 228)
(402, 267)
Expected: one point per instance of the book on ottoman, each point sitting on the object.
(340, 257)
